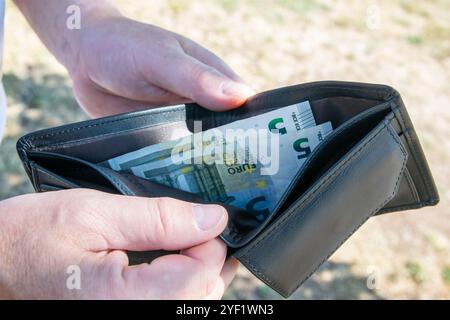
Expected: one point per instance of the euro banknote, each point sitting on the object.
(292, 118)
(228, 178)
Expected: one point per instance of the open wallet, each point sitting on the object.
(372, 163)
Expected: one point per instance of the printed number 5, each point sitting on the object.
(300, 147)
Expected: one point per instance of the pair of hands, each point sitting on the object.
(121, 65)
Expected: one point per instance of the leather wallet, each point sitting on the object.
(372, 163)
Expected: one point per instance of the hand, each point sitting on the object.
(123, 65)
(42, 235)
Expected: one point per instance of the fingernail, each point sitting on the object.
(208, 216)
(237, 89)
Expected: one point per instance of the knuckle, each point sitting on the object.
(161, 220)
(203, 75)
(209, 281)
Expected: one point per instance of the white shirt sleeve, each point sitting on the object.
(2, 91)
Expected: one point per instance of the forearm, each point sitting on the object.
(49, 19)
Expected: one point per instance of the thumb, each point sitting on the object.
(199, 82)
(140, 224)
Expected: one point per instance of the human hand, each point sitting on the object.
(43, 234)
(122, 65)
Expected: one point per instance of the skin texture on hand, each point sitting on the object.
(118, 64)
(45, 234)
(124, 64)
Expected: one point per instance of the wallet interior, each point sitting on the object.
(73, 159)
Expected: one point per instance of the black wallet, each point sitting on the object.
(372, 163)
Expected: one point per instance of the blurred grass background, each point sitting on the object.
(273, 43)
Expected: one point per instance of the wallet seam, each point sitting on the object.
(409, 207)
(410, 183)
(135, 184)
(35, 176)
(413, 146)
(313, 193)
(336, 173)
(74, 143)
(117, 183)
(38, 170)
(364, 219)
(69, 130)
(378, 91)
(92, 125)
(344, 127)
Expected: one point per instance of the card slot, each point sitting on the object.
(76, 171)
(115, 144)
(43, 179)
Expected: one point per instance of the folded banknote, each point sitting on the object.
(248, 163)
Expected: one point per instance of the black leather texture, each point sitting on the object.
(372, 163)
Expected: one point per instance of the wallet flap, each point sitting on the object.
(300, 240)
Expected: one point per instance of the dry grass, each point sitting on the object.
(275, 43)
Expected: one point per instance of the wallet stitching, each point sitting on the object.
(36, 177)
(337, 172)
(408, 207)
(69, 130)
(350, 234)
(349, 125)
(51, 174)
(419, 165)
(117, 183)
(313, 193)
(83, 141)
(412, 190)
(413, 146)
(135, 184)
(399, 208)
(365, 218)
(332, 87)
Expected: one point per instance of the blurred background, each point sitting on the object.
(272, 43)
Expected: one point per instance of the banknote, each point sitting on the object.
(291, 118)
(237, 183)
(240, 185)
